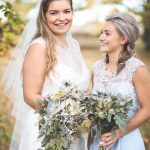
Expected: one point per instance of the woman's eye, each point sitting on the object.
(68, 11)
(104, 33)
(107, 33)
(53, 13)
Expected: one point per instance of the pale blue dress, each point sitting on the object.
(106, 81)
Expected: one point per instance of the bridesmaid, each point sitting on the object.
(120, 72)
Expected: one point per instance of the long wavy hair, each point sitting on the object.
(44, 31)
(126, 26)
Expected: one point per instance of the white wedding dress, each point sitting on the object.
(121, 84)
(70, 67)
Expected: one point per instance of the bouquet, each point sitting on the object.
(108, 112)
(63, 118)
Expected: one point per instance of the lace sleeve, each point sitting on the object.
(134, 64)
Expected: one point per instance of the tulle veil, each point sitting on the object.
(12, 79)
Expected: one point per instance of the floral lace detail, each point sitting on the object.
(65, 56)
(106, 79)
(121, 84)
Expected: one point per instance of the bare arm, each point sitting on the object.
(141, 81)
(90, 85)
(34, 72)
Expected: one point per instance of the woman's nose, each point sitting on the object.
(61, 17)
(102, 36)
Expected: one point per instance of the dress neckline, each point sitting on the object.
(66, 48)
(106, 70)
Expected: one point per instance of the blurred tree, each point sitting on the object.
(111, 1)
(146, 23)
(90, 3)
(10, 27)
(17, 1)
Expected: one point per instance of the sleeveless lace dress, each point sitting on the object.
(106, 81)
(70, 67)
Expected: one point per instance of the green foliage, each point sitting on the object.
(5, 129)
(145, 128)
(10, 28)
(146, 22)
(66, 122)
(145, 14)
(111, 1)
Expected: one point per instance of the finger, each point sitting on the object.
(103, 138)
(101, 143)
(111, 142)
(106, 142)
(106, 134)
(109, 147)
(106, 139)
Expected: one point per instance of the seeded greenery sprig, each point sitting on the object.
(69, 113)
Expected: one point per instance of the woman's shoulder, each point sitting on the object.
(35, 49)
(40, 40)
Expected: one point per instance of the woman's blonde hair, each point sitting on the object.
(44, 31)
(126, 26)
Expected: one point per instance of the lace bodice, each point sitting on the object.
(70, 67)
(70, 56)
(121, 84)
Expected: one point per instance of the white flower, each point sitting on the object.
(101, 114)
(122, 109)
(74, 108)
(122, 103)
(111, 111)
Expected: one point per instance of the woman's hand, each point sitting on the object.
(110, 138)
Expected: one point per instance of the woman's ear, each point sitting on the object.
(124, 40)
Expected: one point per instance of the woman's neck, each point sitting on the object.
(111, 66)
(60, 37)
(113, 59)
(61, 40)
(114, 56)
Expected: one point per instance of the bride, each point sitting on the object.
(43, 63)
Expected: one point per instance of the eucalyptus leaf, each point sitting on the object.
(121, 122)
(109, 117)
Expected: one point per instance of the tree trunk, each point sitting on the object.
(146, 24)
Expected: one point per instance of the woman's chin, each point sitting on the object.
(103, 50)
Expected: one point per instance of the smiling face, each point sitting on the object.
(59, 16)
(110, 40)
